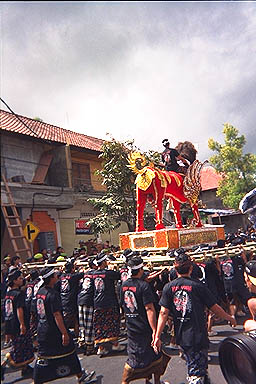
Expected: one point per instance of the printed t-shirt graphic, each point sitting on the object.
(182, 302)
(65, 287)
(40, 308)
(99, 284)
(124, 274)
(86, 284)
(130, 301)
(8, 309)
(228, 270)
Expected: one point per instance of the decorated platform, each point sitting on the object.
(169, 238)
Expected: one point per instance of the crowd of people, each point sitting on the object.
(51, 311)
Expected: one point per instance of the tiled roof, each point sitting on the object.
(209, 178)
(9, 122)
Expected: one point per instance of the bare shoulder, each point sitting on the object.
(252, 305)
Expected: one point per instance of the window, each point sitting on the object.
(81, 177)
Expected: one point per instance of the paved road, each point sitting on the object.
(109, 368)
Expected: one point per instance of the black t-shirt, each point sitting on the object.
(49, 337)
(104, 288)
(29, 293)
(227, 270)
(69, 288)
(239, 283)
(239, 266)
(186, 300)
(135, 294)
(169, 159)
(14, 299)
(85, 296)
(212, 279)
(38, 283)
(124, 274)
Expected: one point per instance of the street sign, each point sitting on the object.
(31, 231)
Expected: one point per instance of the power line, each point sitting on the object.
(18, 117)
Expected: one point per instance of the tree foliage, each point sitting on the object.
(238, 169)
(118, 204)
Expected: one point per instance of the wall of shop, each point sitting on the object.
(82, 210)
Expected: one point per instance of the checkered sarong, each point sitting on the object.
(86, 322)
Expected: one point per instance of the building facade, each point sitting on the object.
(51, 174)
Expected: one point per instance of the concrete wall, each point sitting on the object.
(82, 210)
(210, 199)
(54, 196)
(231, 222)
(20, 156)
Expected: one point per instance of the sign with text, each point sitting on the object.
(82, 228)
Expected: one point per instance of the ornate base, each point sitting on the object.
(169, 238)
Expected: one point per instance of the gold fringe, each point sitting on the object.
(105, 340)
(57, 356)
(156, 362)
(17, 365)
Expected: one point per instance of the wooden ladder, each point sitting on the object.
(13, 223)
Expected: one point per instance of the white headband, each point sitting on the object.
(137, 266)
(129, 254)
(49, 274)
(102, 259)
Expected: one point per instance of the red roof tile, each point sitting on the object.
(209, 178)
(11, 123)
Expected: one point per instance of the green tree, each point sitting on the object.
(119, 201)
(238, 169)
(38, 119)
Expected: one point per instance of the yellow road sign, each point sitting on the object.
(31, 231)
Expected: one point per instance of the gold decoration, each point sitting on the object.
(177, 179)
(161, 178)
(192, 184)
(144, 242)
(198, 237)
(137, 162)
(144, 180)
(167, 177)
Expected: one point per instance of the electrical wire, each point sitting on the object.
(17, 117)
(42, 194)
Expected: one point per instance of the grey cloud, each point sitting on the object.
(172, 58)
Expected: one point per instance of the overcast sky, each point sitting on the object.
(142, 70)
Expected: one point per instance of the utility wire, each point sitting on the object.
(17, 117)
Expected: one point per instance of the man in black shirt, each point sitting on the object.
(69, 288)
(138, 302)
(29, 293)
(17, 326)
(186, 298)
(106, 316)
(170, 156)
(85, 309)
(233, 276)
(57, 356)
